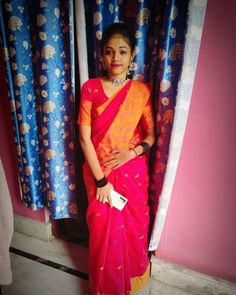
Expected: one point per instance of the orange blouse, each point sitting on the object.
(94, 100)
(132, 122)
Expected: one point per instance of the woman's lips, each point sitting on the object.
(116, 65)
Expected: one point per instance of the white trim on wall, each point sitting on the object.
(81, 39)
(197, 9)
(187, 280)
(33, 228)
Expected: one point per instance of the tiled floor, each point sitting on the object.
(33, 278)
(57, 268)
(38, 273)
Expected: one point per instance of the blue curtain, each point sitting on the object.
(37, 40)
(38, 49)
(160, 28)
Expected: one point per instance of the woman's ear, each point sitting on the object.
(132, 56)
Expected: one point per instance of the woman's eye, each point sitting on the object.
(108, 52)
(123, 52)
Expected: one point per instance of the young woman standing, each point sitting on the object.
(116, 132)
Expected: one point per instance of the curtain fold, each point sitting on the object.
(167, 52)
(81, 41)
(196, 12)
(38, 48)
(37, 41)
(160, 28)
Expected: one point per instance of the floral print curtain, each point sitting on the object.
(38, 50)
(160, 28)
(196, 14)
(38, 46)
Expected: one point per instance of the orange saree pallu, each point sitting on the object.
(118, 250)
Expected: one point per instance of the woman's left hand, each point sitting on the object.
(118, 158)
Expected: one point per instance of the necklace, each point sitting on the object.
(117, 81)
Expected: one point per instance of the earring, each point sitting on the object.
(102, 68)
(127, 73)
(129, 70)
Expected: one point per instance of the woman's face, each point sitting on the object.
(117, 56)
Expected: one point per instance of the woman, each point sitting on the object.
(116, 132)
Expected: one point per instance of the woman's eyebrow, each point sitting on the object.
(119, 47)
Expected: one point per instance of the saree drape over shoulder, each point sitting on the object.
(118, 250)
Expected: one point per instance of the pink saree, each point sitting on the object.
(118, 250)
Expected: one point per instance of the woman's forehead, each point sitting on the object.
(117, 40)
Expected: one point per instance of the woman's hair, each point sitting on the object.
(118, 29)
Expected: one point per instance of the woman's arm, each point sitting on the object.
(89, 151)
(120, 157)
(103, 193)
(150, 139)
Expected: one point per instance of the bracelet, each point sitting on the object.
(101, 182)
(135, 152)
(146, 146)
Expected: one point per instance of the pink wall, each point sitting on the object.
(200, 230)
(8, 155)
(200, 227)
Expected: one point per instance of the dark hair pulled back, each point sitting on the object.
(118, 29)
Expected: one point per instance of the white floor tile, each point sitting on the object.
(158, 288)
(33, 278)
(69, 254)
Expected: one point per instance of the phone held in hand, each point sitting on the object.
(118, 201)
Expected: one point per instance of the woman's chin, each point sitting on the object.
(116, 73)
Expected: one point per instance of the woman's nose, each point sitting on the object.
(115, 56)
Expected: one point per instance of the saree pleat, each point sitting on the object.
(118, 240)
(118, 260)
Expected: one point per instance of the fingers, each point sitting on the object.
(109, 199)
(117, 166)
(116, 159)
(111, 164)
(102, 198)
(105, 199)
(115, 152)
(111, 157)
(103, 194)
(108, 159)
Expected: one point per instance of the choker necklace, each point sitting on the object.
(118, 81)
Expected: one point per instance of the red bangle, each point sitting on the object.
(135, 152)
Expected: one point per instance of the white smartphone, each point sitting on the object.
(118, 201)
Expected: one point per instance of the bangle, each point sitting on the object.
(101, 182)
(146, 146)
(135, 152)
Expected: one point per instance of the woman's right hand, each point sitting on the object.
(103, 193)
